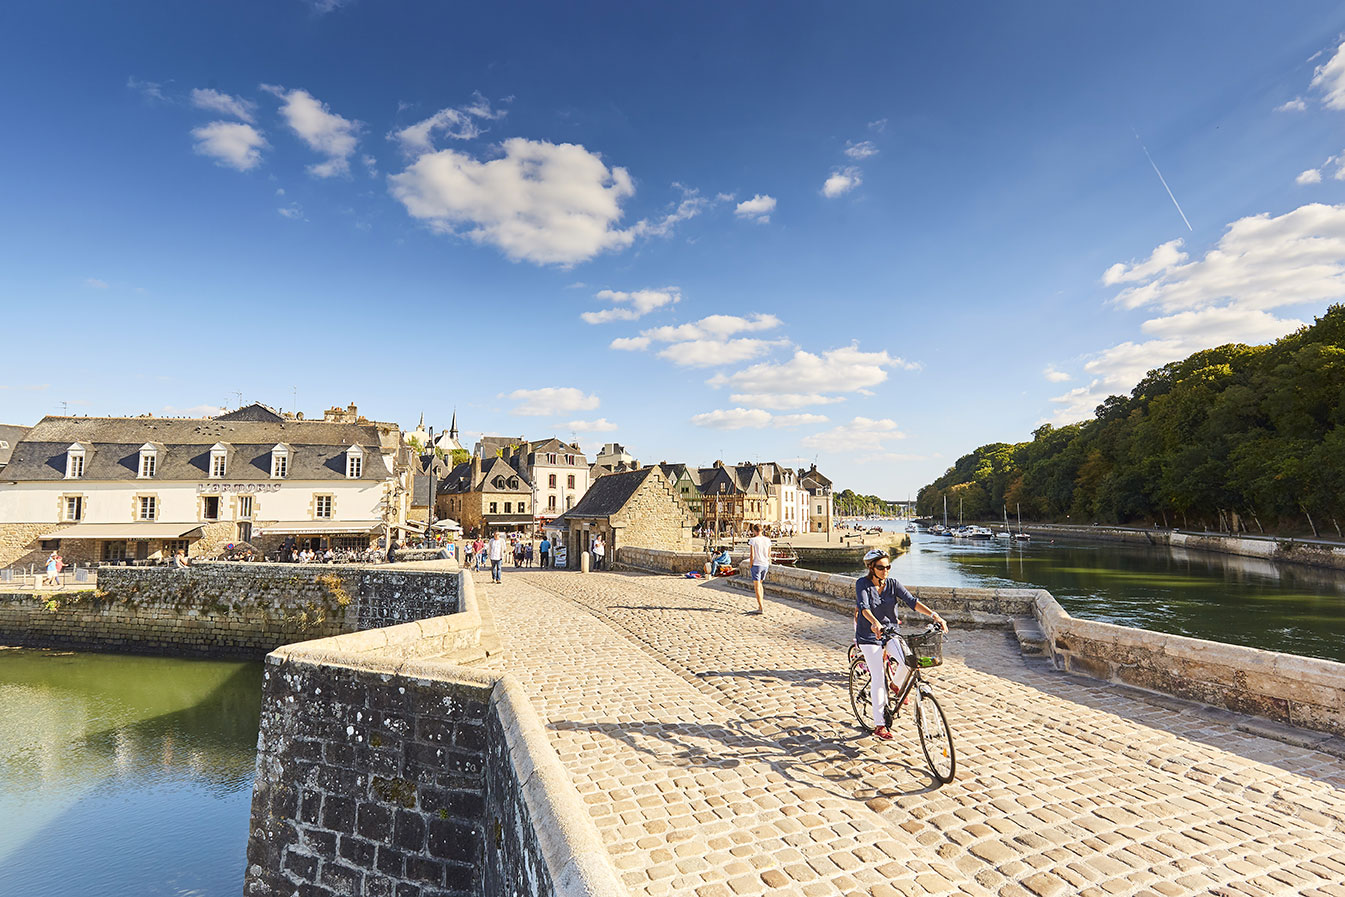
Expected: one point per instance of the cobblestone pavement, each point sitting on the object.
(718, 756)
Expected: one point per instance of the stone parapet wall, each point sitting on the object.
(218, 609)
(385, 769)
(1298, 691)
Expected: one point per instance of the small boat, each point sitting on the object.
(979, 532)
(1021, 536)
(784, 554)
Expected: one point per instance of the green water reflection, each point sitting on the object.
(124, 775)
(1242, 601)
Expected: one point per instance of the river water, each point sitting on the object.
(1242, 601)
(125, 775)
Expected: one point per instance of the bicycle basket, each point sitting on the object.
(926, 647)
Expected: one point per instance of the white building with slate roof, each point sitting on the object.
(105, 489)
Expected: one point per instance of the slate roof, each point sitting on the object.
(254, 412)
(607, 495)
(490, 446)
(317, 448)
(461, 479)
(9, 437)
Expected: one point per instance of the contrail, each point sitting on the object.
(1163, 180)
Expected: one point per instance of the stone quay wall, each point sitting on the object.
(1287, 551)
(1300, 691)
(218, 609)
(385, 769)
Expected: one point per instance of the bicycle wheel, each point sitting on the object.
(936, 739)
(860, 702)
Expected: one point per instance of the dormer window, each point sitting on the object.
(149, 461)
(354, 462)
(219, 460)
(74, 462)
(498, 482)
(280, 461)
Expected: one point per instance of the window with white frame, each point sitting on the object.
(244, 507)
(74, 462)
(74, 507)
(148, 464)
(569, 459)
(280, 462)
(551, 503)
(354, 463)
(322, 506)
(551, 458)
(218, 461)
(149, 507)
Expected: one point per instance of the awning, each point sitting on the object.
(147, 530)
(446, 524)
(318, 528)
(509, 520)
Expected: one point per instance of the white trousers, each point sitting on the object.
(873, 657)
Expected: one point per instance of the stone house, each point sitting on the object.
(106, 489)
(786, 501)
(558, 471)
(635, 507)
(486, 495)
(819, 491)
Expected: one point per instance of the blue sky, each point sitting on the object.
(874, 235)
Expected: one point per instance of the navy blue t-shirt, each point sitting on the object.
(882, 604)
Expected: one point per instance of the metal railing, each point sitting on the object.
(35, 577)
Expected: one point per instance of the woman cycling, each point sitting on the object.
(876, 597)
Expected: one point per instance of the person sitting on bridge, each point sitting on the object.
(876, 597)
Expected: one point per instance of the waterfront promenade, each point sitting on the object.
(717, 755)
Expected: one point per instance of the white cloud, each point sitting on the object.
(455, 123)
(1329, 79)
(878, 126)
(1162, 258)
(1311, 176)
(541, 202)
(231, 144)
(711, 352)
(292, 211)
(95, 283)
(706, 342)
(841, 182)
(758, 208)
(632, 305)
(798, 420)
(551, 400)
(1294, 105)
(150, 90)
(783, 401)
(1259, 262)
(690, 205)
(193, 411)
(862, 434)
(601, 425)
(1227, 296)
(752, 419)
(223, 103)
(1055, 376)
(322, 130)
(733, 419)
(862, 150)
(322, 7)
(846, 369)
(712, 327)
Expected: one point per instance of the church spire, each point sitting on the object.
(453, 427)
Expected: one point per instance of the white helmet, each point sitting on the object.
(873, 554)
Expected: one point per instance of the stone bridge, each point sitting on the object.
(717, 756)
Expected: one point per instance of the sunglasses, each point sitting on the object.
(882, 566)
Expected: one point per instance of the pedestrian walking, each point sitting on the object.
(495, 548)
(759, 548)
(545, 549)
(599, 553)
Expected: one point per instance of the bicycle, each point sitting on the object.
(924, 649)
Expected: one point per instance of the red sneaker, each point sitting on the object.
(883, 732)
